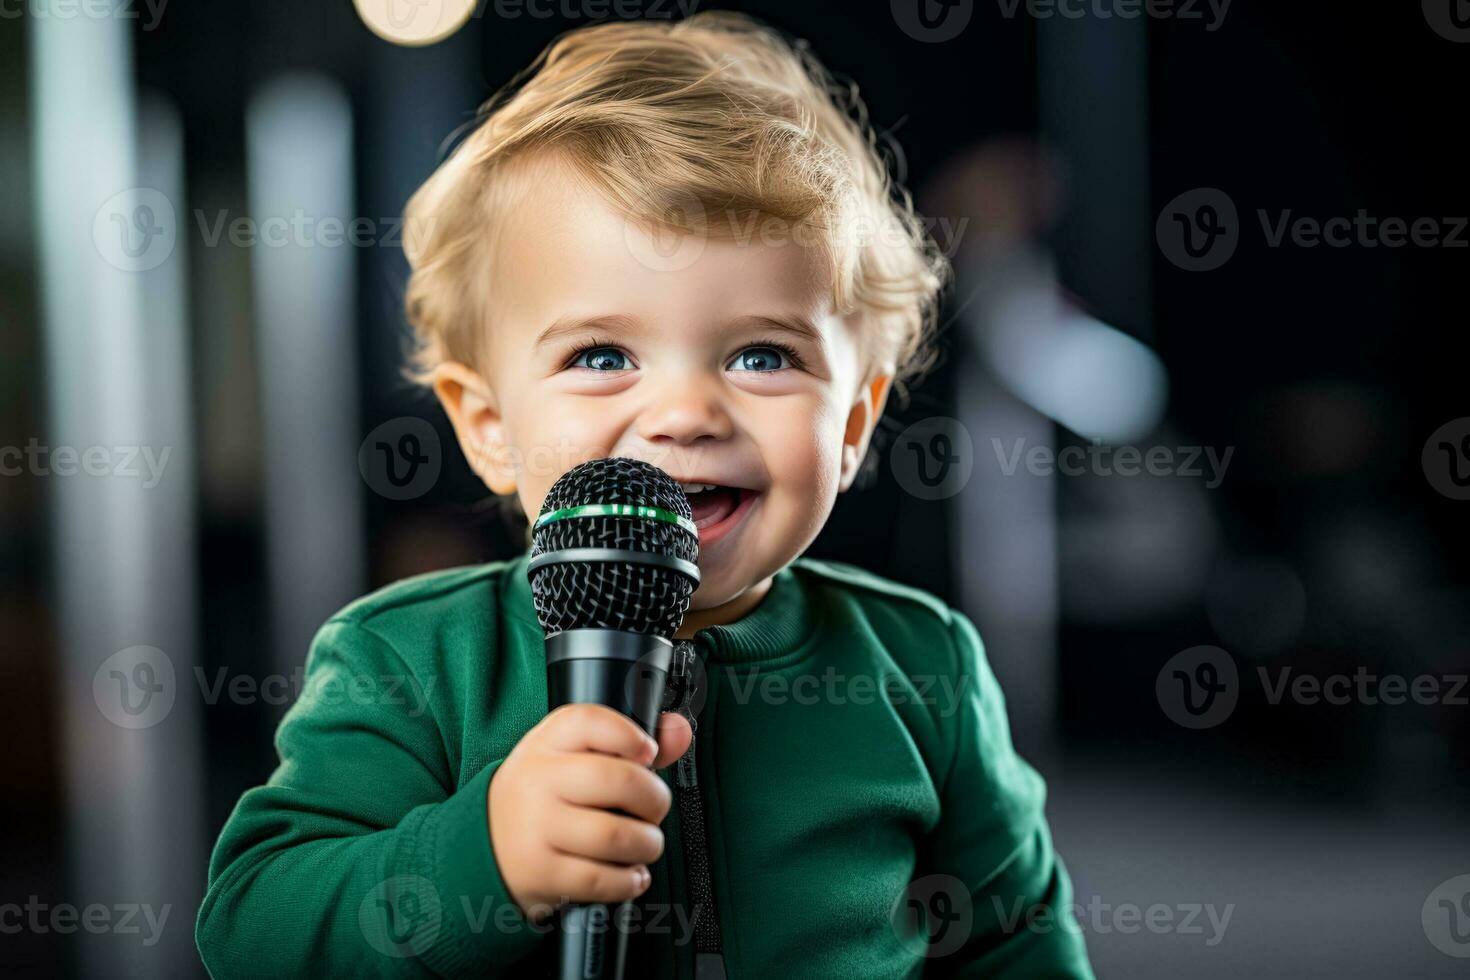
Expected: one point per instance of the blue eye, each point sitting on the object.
(601, 359)
(760, 359)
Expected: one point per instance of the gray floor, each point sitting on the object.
(1316, 892)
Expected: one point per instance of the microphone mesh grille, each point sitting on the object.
(628, 596)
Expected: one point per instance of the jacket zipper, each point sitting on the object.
(709, 960)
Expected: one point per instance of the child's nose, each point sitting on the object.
(683, 410)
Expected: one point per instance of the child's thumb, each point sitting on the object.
(674, 736)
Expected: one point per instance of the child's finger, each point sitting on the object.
(587, 779)
(674, 736)
(602, 836)
(597, 728)
(585, 880)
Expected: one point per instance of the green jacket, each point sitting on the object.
(853, 807)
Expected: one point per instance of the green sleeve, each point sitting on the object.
(992, 850)
(359, 857)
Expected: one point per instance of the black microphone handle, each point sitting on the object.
(626, 672)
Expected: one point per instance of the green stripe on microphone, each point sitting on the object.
(618, 510)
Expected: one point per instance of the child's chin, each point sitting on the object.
(708, 598)
(717, 586)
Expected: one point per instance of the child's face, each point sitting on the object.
(679, 375)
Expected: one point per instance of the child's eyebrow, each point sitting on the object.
(795, 324)
(574, 324)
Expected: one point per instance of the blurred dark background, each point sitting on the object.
(1063, 151)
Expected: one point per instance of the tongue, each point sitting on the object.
(713, 506)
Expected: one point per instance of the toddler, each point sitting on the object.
(674, 242)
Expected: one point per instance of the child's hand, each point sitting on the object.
(550, 830)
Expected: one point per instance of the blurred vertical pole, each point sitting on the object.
(1094, 101)
(1093, 114)
(417, 96)
(1008, 578)
(109, 188)
(300, 177)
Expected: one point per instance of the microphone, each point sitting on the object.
(613, 566)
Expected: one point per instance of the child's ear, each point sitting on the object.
(861, 420)
(470, 405)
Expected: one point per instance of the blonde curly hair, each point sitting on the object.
(717, 115)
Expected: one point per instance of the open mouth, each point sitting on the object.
(717, 509)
